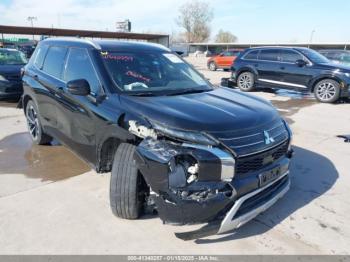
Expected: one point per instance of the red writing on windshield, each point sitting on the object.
(138, 76)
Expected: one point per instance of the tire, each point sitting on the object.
(246, 81)
(34, 126)
(212, 66)
(327, 91)
(126, 193)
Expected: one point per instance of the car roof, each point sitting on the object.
(8, 49)
(279, 47)
(107, 45)
(334, 50)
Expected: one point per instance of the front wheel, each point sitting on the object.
(327, 91)
(212, 66)
(34, 126)
(245, 81)
(127, 187)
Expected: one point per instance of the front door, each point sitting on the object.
(76, 114)
(294, 76)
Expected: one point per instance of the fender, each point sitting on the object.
(249, 68)
(326, 75)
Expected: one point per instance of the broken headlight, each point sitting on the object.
(194, 137)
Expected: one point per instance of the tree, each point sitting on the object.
(225, 37)
(195, 17)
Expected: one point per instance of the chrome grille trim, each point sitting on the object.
(265, 149)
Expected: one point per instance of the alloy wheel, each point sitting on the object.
(326, 91)
(245, 81)
(212, 66)
(32, 122)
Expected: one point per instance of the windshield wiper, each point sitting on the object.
(142, 94)
(187, 91)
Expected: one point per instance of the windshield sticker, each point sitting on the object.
(138, 76)
(173, 58)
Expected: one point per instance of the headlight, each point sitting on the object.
(289, 132)
(199, 138)
(2, 78)
(347, 74)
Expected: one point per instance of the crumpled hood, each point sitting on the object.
(218, 110)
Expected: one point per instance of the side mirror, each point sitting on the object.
(300, 63)
(221, 54)
(79, 87)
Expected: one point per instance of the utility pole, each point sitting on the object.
(31, 19)
(311, 36)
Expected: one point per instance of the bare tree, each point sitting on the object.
(195, 17)
(225, 37)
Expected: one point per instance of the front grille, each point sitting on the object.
(261, 198)
(247, 142)
(255, 162)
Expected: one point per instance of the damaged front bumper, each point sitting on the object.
(244, 209)
(214, 196)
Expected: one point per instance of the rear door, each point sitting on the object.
(268, 66)
(50, 85)
(293, 75)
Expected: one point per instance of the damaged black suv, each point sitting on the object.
(172, 141)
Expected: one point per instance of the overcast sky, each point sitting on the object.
(268, 21)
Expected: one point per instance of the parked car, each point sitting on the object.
(337, 56)
(296, 68)
(224, 60)
(198, 154)
(11, 62)
(27, 50)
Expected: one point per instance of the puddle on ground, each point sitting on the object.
(9, 103)
(297, 101)
(18, 155)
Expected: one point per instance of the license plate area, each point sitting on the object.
(269, 176)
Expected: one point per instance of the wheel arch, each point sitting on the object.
(324, 77)
(248, 69)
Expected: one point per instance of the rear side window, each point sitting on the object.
(290, 56)
(40, 56)
(269, 55)
(54, 61)
(252, 55)
(79, 66)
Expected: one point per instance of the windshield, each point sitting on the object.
(12, 57)
(314, 56)
(153, 73)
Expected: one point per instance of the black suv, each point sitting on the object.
(172, 141)
(296, 68)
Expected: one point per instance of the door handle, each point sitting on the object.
(60, 89)
(256, 65)
(282, 67)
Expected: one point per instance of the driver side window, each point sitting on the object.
(79, 66)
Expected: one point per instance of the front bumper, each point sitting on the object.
(244, 209)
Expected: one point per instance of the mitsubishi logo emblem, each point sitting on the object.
(268, 139)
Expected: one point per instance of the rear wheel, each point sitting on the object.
(245, 81)
(212, 66)
(327, 91)
(127, 187)
(34, 125)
